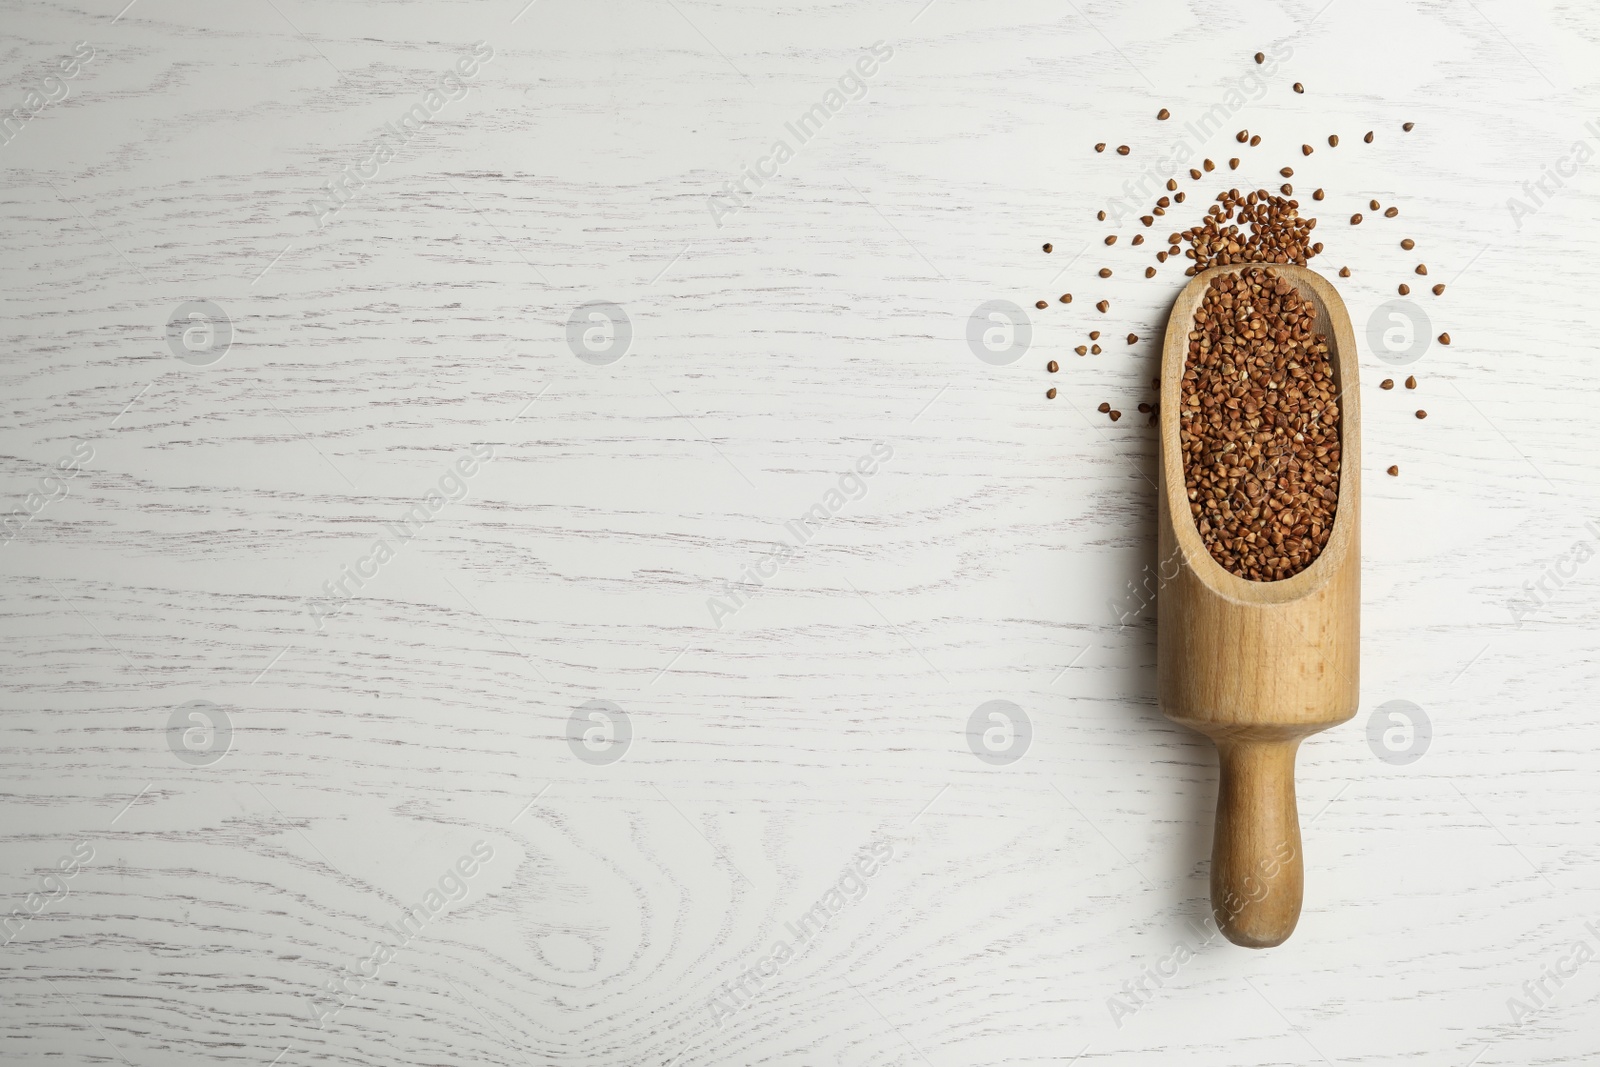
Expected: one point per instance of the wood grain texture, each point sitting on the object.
(998, 554)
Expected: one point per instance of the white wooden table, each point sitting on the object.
(255, 739)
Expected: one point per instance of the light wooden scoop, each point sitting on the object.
(1258, 666)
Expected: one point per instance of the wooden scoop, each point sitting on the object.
(1258, 666)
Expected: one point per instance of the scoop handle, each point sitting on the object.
(1257, 873)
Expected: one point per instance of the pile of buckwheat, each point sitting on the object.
(1277, 232)
(1259, 427)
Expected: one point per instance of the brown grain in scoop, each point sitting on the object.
(1259, 427)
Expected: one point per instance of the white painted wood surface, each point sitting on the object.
(828, 715)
